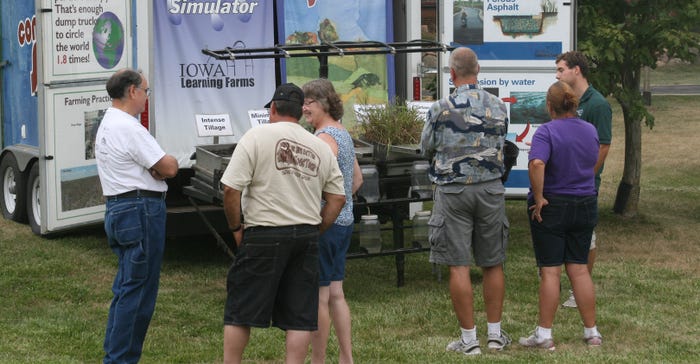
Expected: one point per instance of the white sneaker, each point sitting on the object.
(534, 341)
(571, 302)
(470, 348)
(499, 342)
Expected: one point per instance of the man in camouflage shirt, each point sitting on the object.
(463, 138)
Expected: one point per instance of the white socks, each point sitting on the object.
(494, 329)
(591, 332)
(468, 334)
(543, 333)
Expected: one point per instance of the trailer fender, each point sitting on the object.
(33, 200)
(24, 154)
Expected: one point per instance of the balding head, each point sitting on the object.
(464, 65)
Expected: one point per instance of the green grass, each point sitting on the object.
(675, 74)
(54, 294)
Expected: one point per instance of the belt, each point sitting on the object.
(288, 227)
(138, 194)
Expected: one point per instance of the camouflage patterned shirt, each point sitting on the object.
(464, 135)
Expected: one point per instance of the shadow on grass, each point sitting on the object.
(192, 250)
(197, 249)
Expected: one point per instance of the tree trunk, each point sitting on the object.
(627, 199)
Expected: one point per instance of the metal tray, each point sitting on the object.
(396, 153)
(214, 157)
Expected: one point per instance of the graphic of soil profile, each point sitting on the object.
(528, 107)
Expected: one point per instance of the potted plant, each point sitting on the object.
(394, 130)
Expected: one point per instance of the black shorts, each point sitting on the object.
(274, 279)
(564, 235)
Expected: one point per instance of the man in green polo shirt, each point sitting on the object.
(572, 68)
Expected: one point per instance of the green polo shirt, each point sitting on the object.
(594, 108)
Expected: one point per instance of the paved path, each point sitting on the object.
(676, 90)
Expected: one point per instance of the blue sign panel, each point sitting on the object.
(19, 73)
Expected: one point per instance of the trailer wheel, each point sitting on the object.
(33, 199)
(12, 198)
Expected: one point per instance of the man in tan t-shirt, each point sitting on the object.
(278, 174)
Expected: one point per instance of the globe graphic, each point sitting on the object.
(108, 40)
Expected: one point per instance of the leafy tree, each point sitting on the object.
(621, 37)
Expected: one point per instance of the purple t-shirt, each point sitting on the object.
(569, 148)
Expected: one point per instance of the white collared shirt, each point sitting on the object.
(124, 151)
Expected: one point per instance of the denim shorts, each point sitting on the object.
(564, 235)
(332, 249)
(468, 224)
(274, 279)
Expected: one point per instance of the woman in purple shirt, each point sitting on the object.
(562, 206)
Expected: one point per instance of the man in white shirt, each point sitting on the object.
(132, 168)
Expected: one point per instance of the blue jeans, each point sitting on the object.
(135, 230)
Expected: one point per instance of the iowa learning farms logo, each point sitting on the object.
(207, 7)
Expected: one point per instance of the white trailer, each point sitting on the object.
(56, 57)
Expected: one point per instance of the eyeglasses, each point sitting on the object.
(146, 90)
(309, 102)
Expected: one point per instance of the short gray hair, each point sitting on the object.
(463, 60)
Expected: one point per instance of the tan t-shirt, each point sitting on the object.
(282, 170)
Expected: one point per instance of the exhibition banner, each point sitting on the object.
(525, 96)
(188, 83)
(86, 39)
(359, 79)
(517, 42)
(73, 194)
(520, 33)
